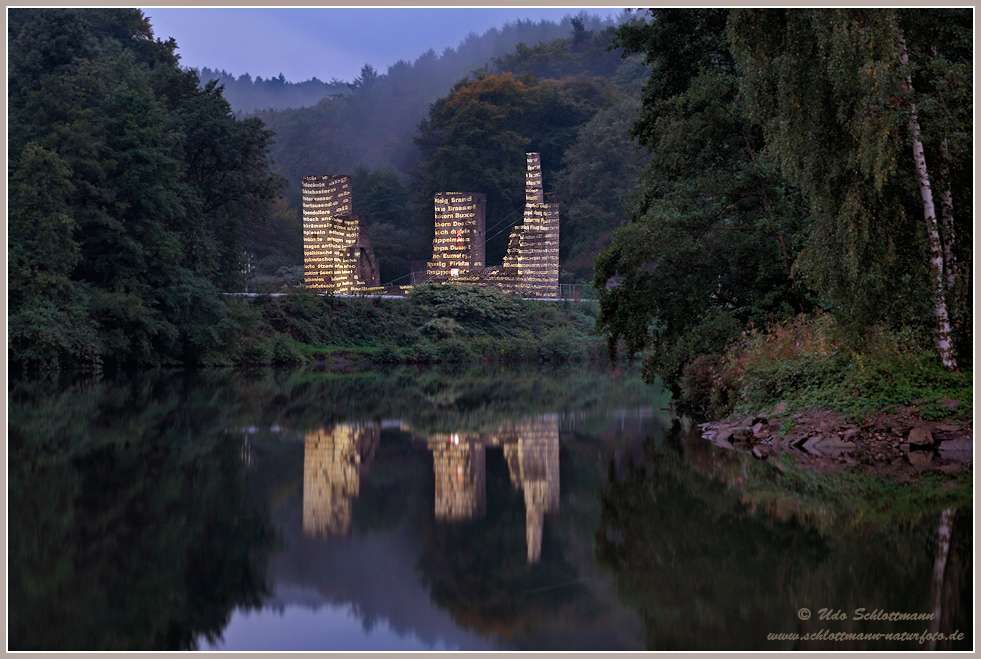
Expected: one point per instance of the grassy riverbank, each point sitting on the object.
(807, 365)
(436, 324)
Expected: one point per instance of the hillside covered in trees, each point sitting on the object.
(138, 195)
(247, 95)
(804, 168)
(544, 87)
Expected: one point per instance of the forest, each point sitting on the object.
(140, 193)
(730, 182)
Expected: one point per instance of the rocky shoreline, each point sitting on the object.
(900, 444)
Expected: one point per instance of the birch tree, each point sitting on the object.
(944, 339)
(834, 94)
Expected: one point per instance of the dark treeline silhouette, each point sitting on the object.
(246, 95)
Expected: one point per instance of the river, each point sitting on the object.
(463, 508)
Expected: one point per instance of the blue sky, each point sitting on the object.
(328, 42)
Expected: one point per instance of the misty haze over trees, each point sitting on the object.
(246, 95)
(545, 83)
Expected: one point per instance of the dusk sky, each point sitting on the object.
(328, 42)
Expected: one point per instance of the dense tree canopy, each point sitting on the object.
(475, 139)
(831, 94)
(782, 176)
(715, 231)
(131, 188)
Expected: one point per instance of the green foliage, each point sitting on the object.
(585, 52)
(441, 328)
(805, 364)
(475, 139)
(437, 324)
(797, 191)
(397, 237)
(560, 345)
(715, 230)
(452, 350)
(131, 193)
(42, 259)
(47, 336)
(387, 353)
(472, 305)
(599, 177)
(828, 88)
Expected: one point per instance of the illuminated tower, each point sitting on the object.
(458, 242)
(337, 255)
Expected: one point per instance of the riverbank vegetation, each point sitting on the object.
(435, 324)
(138, 196)
(794, 251)
(804, 363)
(132, 191)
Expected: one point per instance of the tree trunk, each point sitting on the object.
(939, 565)
(945, 344)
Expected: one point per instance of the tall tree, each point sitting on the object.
(476, 137)
(150, 221)
(834, 96)
(715, 232)
(599, 177)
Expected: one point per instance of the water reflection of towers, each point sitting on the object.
(531, 449)
(459, 465)
(533, 462)
(334, 463)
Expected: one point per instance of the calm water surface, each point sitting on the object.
(475, 509)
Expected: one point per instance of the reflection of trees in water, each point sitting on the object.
(950, 599)
(131, 526)
(707, 573)
(433, 400)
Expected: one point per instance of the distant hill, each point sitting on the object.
(569, 97)
(247, 95)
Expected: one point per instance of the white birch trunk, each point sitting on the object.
(939, 566)
(945, 344)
